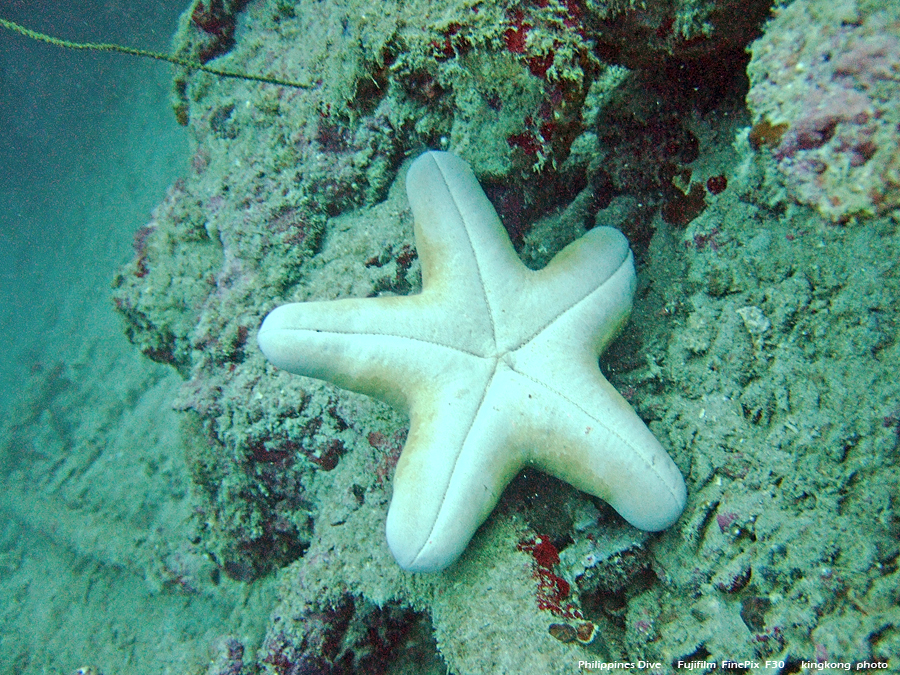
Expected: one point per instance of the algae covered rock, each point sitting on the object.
(824, 81)
(761, 349)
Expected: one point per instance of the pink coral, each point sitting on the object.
(833, 79)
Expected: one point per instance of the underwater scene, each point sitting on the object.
(449, 337)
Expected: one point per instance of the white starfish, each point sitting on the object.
(496, 366)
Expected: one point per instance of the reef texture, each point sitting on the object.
(762, 350)
(824, 85)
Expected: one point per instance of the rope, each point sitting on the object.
(184, 63)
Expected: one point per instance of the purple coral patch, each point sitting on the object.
(834, 82)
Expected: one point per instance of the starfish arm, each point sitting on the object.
(388, 348)
(598, 267)
(607, 450)
(585, 264)
(455, 465)
(585, 326)
(594, 440)
(462, 245)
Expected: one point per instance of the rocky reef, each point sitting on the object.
(824, 79)
(762, 350)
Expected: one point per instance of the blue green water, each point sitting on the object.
(88, 145)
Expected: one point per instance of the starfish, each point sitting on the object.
(496, 366)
